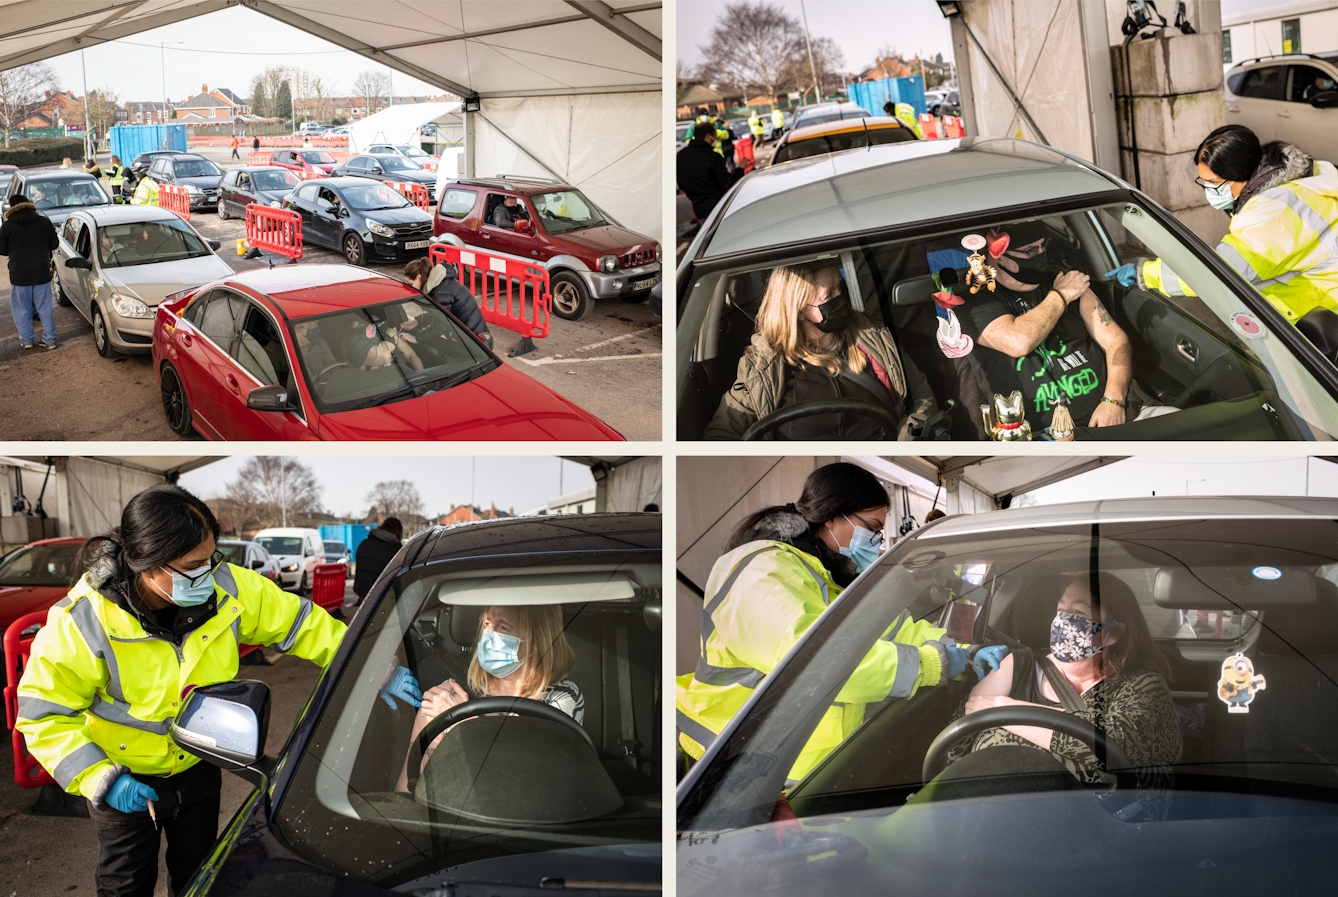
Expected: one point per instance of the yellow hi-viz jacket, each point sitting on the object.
(100, 693)
(761, 598)
(146, 194)
(1284, 242)
(777, 119)
(116, 178)
(905, 113)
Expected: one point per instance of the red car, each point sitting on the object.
(36, 576)
(338, 352)
(311, 161)
(587, 257)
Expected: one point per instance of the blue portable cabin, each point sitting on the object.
(351, 534)
(872, 95)
(128, 141)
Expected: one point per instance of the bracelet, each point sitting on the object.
(1116, 402)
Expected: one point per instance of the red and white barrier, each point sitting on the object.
(953, 127)
(175, 199)
(28, 773)
(415, 193)
(327, 586)
(511, 293)
(259, 158)
(274, 230)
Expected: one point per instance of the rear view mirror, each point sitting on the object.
(269, 398)
(226, 724)
(80, 263)
(1325, 99)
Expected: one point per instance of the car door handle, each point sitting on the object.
(1284, 114)
(232, 383)
(1232, 108)
(187, 340)
(1187, 349)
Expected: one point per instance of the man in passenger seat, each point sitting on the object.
(1044, 332)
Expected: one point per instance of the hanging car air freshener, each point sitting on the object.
(1238, 685)
(951, 340)
(978, 273)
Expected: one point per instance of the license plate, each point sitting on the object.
(647, 283)
(416, 244)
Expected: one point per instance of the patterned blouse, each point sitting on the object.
(565, 696)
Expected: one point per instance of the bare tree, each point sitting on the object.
(104, 108)
(276, 490)
(372, 86)
(20, 90)
(751, 43)
(827, 59)
(396, 498)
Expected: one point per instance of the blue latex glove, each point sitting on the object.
(989, 656)
(1127, 275)
(129, 795)
(404, 686)
(957, 661)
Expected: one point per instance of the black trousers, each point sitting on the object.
(128, 842)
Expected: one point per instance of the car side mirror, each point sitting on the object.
(523, 226)
(269, 398)
(1325, 99)
(377, 169)
(77, 262)
(214, 244)
(1320, 326)
(226, 725)
(344, 213)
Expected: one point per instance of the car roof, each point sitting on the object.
(304, 290)
(59, 174)
(188, 156)
(60, 540)
(540, 535)
(123, 214)
(286, 531)
(843, 125)
(899, 183)
(1136, 510)
(234, 542)
(515, 185)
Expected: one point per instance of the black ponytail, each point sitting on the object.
(158, 525)
(829, 492)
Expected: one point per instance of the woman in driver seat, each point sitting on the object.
(811, 345)
(521, 651)
(1102, 648)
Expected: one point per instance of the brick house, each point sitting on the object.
(55, 111)
(211, 106)
(149, 112)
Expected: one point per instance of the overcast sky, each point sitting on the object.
(520, 483)
(859, 27)
(222, 49)
(1145, 476)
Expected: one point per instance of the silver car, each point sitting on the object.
(1292, 98)
(252, 556)
(116, 263)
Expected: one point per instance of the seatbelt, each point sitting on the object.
(1064, 690)
(626, 717)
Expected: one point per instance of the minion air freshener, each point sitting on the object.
(1238, 684)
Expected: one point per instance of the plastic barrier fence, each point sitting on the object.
(743, 153)
(415, 193)
(337, 156)
(928, 127)
(327, 586)
(953, 127)
(258, 158)
(512, 294)
(28, 773)
(243, 650)
(430, 166)
(274, 230)
(174, 199)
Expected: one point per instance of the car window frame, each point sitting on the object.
(294, 395)
(1279, 85)
(214, 294)
(474, 192)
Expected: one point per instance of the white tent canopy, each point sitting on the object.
(401, 124)
(568, 89)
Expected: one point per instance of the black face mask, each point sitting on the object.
(1031, 271)
(835, 314)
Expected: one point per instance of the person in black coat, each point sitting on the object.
(28, 238)
(374, 553)
(441, 284)
(702, 174)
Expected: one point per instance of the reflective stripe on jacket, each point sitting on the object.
(1284, 242)
(146, 194)
(117, 176)
(100, 692)
(761, 598)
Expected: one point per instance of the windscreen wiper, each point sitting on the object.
(405, 392)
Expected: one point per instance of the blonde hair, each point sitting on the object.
(548, 655)
(789, 290)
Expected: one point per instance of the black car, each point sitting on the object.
(363, 220)
(57, 192)
(389, 168)
(144, 160)
(197, 174)
(518, 794)
(265, 184)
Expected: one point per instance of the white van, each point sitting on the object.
(297, 550)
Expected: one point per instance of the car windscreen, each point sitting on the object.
(379, 354)
(66, 194)
(335, 547)
(274, 180)
(318, 158)
(832, 143)
(1199, 363)
(817, 118)
(411, 150)
(397, 163)
(559, 773)
(145, 242)
(196, 168)
(289, 545)
(369, 197)
(1202, 649)
(233, 553)
(566, 210)
(39, 565)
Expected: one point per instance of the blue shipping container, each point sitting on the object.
(872, 95)
(128, 141)
(351, 534)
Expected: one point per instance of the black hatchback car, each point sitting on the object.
(518, 795)
(389, 168)
(57, 192)
(362, 219)
(197, 174)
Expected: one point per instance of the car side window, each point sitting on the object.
(70, 231)
(456, 203)
(195, 311)
(307, 193)
(221, 317)
(260, 349)
(1262, 83)
(326, 198)
(230, 178)
(83, 245)
(1306, 81)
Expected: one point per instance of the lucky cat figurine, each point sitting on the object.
(1007, 423)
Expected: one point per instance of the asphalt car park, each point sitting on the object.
(609, 363)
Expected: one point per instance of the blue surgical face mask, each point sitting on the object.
(864, 547)
(186, 595)
(498, 654)
(1219, 197)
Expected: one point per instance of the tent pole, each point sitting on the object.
(470, 127)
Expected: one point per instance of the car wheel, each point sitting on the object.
(56, 291)
(101, 336)
(223, 210)
(354, 251)
(571, 300)
(303, 587)
(175, 404)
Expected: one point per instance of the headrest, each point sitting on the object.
(1233, 588)
(915, 291)
(464, 624)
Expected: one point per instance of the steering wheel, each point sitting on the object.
(936, 758)
(329, 369)
(800, 410)
(480, 706)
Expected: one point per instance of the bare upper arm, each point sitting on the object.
(1002, 335)
(997, 682)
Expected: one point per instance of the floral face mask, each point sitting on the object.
(1071, 636)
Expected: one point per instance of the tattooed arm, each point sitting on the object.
(1119, 358)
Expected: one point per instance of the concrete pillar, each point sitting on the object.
(1169, 98)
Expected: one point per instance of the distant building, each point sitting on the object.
(471, 513)
(1309, 27)
(151, 112)
(210, 107)
(582, 502)
(354, 108)
(56, 111)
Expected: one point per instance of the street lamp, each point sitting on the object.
(162, 53)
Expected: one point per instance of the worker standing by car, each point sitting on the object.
(154, 613)
(755, 125)
(442, 285)
(1284, 210)
(777, 123)
(146, 192)
(374, 553)
(784, 565)
(702, 174)
(116, 176)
